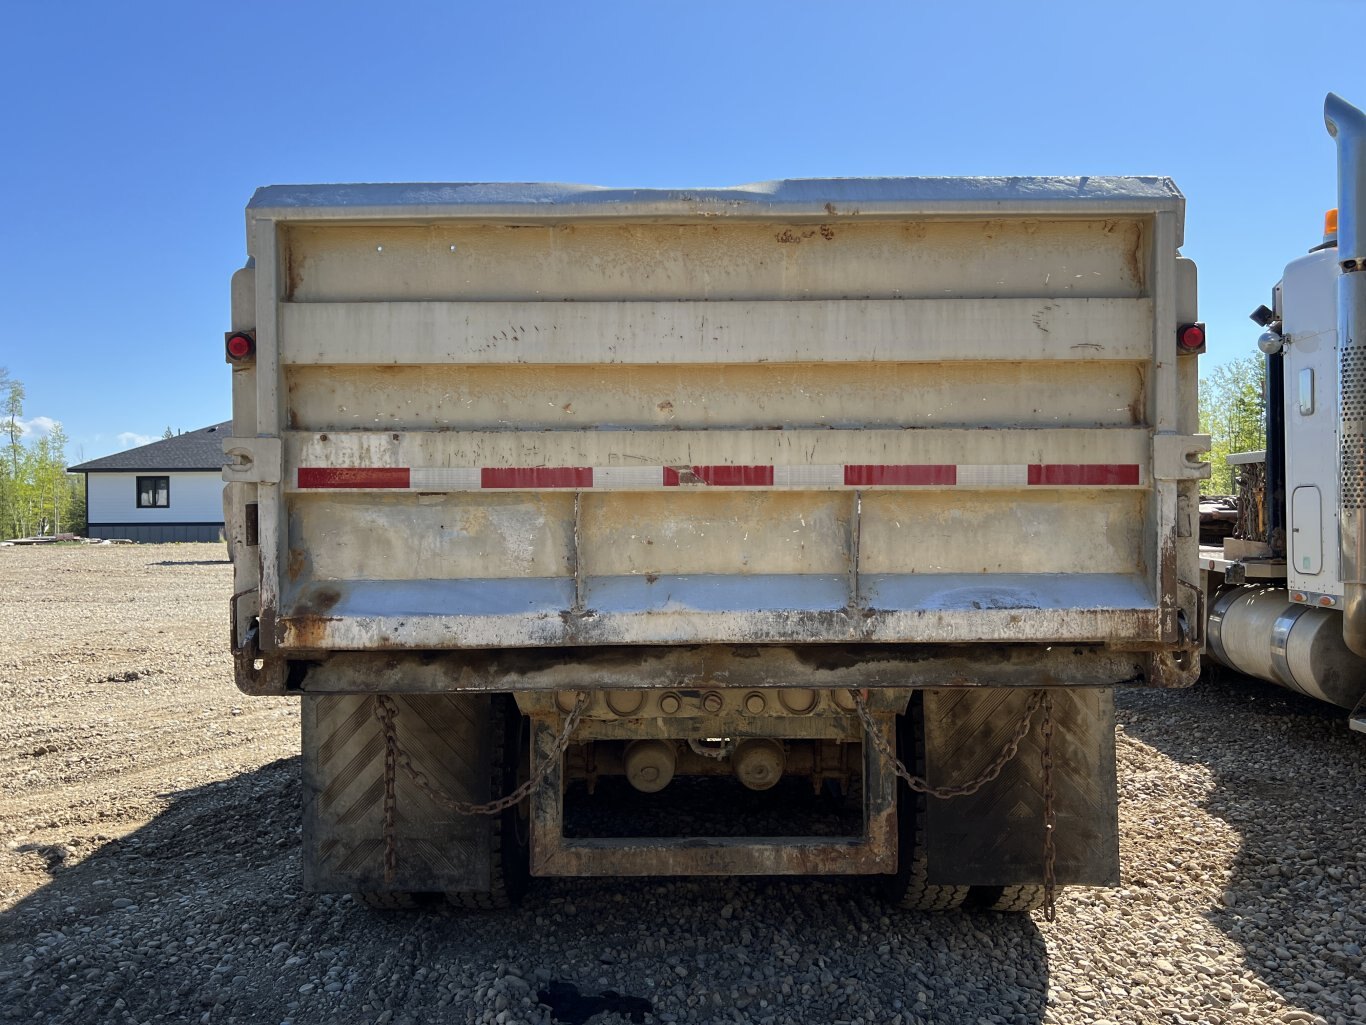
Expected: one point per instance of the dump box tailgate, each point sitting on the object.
(902, 411)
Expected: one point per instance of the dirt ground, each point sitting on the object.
(149, 863)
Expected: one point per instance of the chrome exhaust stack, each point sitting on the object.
(1347, 125)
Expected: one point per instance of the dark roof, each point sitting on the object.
(201, 449)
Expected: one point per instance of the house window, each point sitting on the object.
(154, 492)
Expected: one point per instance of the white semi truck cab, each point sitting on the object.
(1295, 615)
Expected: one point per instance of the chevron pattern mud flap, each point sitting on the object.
(995, 837)
(446, 737)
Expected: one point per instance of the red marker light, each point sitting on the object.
(1191, 337)
(240, 345)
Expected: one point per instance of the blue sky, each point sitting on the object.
(136, 132)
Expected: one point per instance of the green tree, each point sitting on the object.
(14, 409)
(52, 484)
(13, 482)
(1232, 413)
(37, 495)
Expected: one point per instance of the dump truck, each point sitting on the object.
(553, 497)
(1287, 593)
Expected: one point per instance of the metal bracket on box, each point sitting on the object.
(255, 460)
(267, 678)
(1177, 456)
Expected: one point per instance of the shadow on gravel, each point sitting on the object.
(198, 917)
(1290, 777)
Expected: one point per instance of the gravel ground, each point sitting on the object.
(149, 868)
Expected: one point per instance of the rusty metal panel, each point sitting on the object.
(471, 396)
(718, 609)
(641, 332)
(995, 837)
(746, 532)
(811, 679)
(725, 259)
(446, 737)
(940, 533)
(355, 537)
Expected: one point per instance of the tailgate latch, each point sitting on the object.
(1177, 456)
(254, 460)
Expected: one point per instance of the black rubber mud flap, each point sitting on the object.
(447, 738)
(995, 836)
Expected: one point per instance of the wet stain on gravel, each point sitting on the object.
(570, 1007)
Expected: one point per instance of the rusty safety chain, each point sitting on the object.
(386, 712)
(1041, 699)
(1050, 852)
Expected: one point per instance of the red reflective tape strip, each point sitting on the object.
(353, 477)
(536, 477)
(735, 476)
(720, 476)
(1083, 473)
(868, 474)
(855, 475)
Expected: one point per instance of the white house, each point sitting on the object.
(170, 490)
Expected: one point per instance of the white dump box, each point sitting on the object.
(895, 435)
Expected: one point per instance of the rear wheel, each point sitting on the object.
(909, 887)
(1005, 899)
(510, 836)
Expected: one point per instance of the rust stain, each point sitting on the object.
(319, 601)
(293, 272)
(296, 563)
(307, 631)
(1134, 257)
(827, 232)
